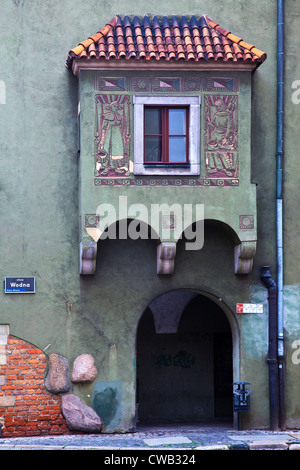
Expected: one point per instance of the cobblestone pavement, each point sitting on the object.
(194, 437)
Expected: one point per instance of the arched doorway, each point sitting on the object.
(184, 360)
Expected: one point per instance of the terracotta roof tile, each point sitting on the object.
(167, 39)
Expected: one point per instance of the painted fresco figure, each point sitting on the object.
(221, 139)
(222, 162)
(112, 143)
(221, 135)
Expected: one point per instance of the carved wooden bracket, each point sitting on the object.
(243, 257)
(166, 252)
(88, 253)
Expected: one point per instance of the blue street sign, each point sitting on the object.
(19, 285)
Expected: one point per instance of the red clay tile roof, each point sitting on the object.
(169, 39)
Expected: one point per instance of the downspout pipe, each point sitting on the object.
(269, 283)
(279, 207)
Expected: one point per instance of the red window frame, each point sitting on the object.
(165, 136)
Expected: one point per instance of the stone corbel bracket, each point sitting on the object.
(166, 252)
(243, 257)
(88, 254)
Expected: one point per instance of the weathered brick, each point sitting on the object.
(8, 387)
(34, 351)
(21, 408)
(26, 406)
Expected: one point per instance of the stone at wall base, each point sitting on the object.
(57, 380)
(79, 416)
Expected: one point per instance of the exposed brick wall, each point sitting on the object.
(26, 407)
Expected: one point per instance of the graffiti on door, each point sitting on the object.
(181, 359)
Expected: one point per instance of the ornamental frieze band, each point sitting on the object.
(165, 182)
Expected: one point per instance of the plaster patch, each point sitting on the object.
(3, 339)
(291, 302)
(4, 329)
(107, 401)
(2, 92)
(3, 359)
(259, 295)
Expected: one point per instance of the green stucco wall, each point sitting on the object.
(39, 204)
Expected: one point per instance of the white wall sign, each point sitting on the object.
(249, 308)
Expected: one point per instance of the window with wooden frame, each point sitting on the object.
(166, 135)
(166, 138)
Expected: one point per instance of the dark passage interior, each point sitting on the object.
(184, 360)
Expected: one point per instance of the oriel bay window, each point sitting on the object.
(166, 135)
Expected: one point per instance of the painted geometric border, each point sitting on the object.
(165, 182)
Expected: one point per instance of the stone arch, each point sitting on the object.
(244, 242)
(168, 310)
(133, 228)
(139, 227)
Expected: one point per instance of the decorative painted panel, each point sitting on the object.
(166, 85)
(109, 84)
(221, 136)
(189, 84)
(246, 222)
(112, 135)
(114, 129)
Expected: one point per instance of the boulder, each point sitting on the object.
(84, 370)
(79, 416)
(57, 380)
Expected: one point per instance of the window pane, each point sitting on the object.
(153, 121)
(153, 149)
(177, 121)
(177, 149)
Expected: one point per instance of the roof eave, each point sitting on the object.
(79, 65)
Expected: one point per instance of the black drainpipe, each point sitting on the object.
(270, 284)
